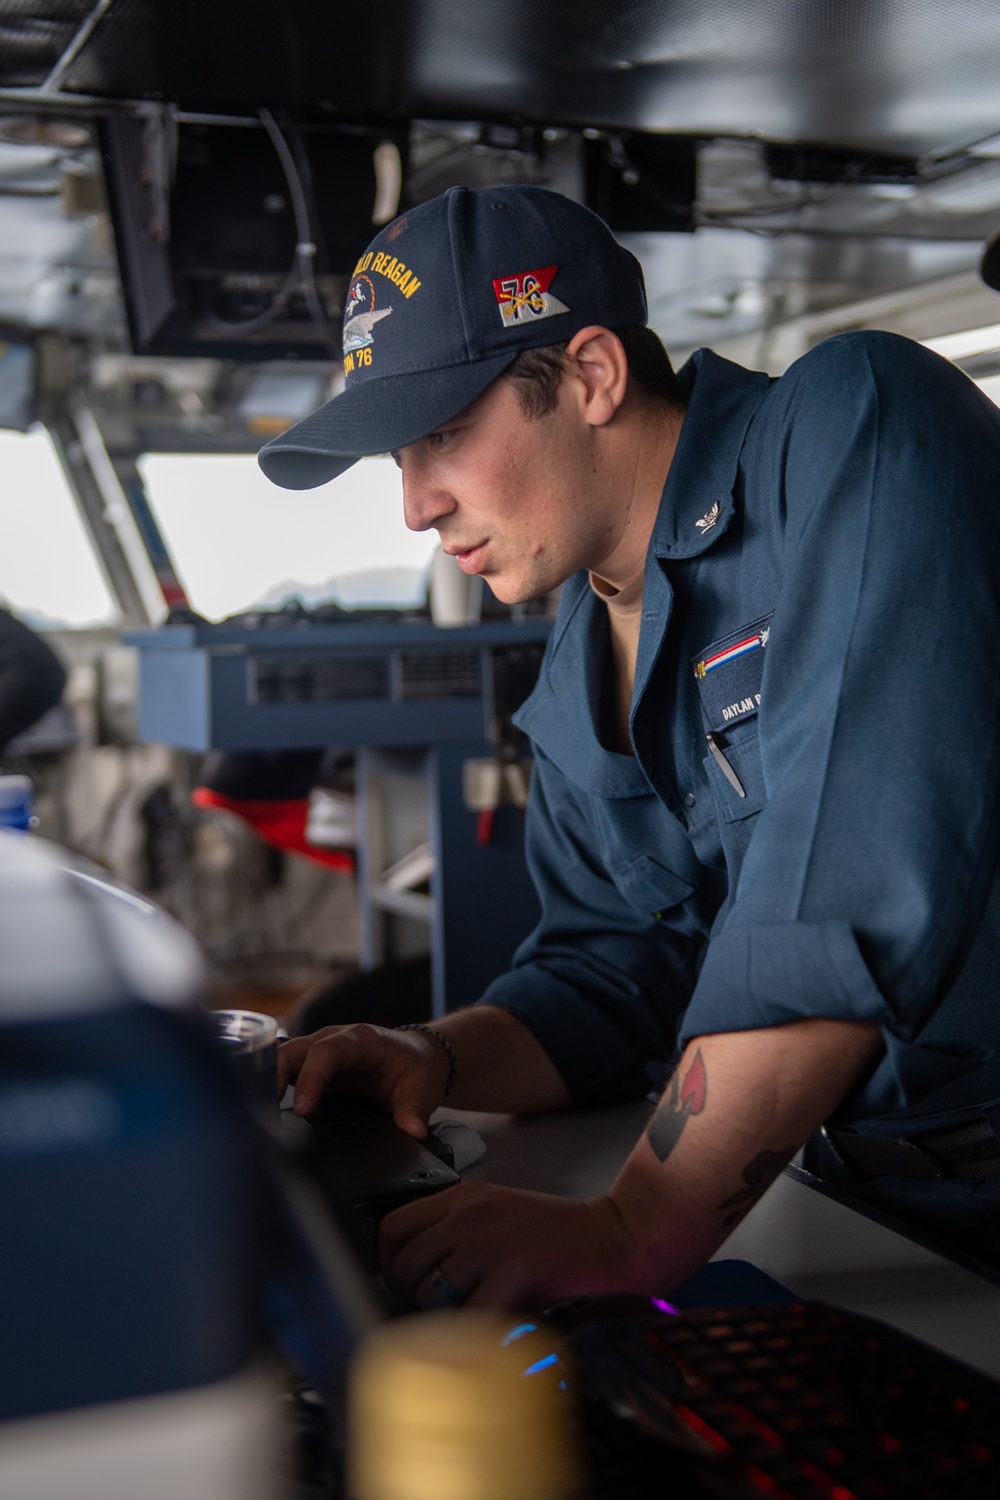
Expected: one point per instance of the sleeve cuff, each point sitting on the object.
(769, 973)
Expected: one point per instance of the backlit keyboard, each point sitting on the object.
(792, 1402)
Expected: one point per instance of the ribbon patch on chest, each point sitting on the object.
(729, 673)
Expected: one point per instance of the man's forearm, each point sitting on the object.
(735, 1111)
(501, 1065)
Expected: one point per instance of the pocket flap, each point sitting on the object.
(649, 886)
(728, 674)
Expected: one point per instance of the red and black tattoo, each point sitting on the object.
(686, 1097)
(758, 1176)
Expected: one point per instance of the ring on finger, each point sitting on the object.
(445, 1293)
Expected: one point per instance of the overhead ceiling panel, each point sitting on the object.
(240, 54)
(724, 283)
(911, 76)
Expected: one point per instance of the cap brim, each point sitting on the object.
(378, 415)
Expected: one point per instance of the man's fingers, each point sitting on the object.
(404, 1236)
(330, 1053)
(411, 1118)
(290, 1057)
(448, 1285)
(418, 1259)
(404, 1225)
(393, 1070)
(497, 1290)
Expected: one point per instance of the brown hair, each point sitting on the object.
(535, 373)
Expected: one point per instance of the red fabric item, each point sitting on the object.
(279, 822)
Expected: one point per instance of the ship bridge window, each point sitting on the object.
(240, 543)
(49, 573)
(977, 352)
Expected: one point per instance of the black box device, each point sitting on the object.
(364, 1165)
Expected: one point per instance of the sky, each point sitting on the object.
(234, 536)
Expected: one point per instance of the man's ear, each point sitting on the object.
(597, 358)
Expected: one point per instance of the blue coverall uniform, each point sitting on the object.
(822, 596)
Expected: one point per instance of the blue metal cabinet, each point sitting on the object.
(417, 701)
(222, 687)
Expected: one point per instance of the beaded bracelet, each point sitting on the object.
(445, 1042)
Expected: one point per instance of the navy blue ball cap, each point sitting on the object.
(441, 302)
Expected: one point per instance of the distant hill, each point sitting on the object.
(398, 588)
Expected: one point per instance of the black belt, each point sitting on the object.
(962, 1151)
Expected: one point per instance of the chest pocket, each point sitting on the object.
(645, 851)
(729, 675)
(742, 752)
(649, 886)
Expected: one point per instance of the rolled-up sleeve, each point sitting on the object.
(599, 983)
(871, 862)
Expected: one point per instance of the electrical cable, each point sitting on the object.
(305, 249)
(291, 282)
(301, 168)
(302, 274)
(794, 212)
(278, 303)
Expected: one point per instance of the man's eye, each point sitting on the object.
(438, 439)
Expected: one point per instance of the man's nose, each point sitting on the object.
(424, 504)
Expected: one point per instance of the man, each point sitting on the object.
(767, 740)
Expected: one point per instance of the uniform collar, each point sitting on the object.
(561, 714)
(697, 504)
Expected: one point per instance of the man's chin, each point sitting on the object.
(513, 589)
(510, 592)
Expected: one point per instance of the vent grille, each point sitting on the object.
(439, 674)
(320, 679)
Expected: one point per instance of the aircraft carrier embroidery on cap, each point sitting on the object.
(362, 315)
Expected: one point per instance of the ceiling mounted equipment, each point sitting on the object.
(236, 241)
(842, 150)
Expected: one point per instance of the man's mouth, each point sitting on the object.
(470, 559)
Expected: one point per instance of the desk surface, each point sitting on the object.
(813, 1244)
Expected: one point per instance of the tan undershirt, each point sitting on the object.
(624, 618)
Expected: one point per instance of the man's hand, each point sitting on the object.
(501, 1067)
(406, 1072)
(497, 1247)
(736, 1109)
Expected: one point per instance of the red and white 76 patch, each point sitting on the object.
(526, 296)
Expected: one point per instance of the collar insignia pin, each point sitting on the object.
(709, 519)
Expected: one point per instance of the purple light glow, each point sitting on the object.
(665, 1307)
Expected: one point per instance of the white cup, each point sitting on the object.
(456, 599)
